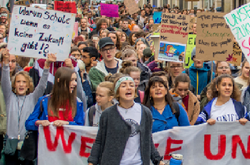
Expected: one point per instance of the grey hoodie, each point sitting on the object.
(26, 103)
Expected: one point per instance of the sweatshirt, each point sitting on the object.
(28, 103)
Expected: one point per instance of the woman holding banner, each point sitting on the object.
(165, 111)
(61, 107)
(124, 135)
(225, 105)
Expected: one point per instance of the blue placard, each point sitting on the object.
(157, 17)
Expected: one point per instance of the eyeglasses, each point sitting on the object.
(175, 66)
(108, 49)
(225, 67)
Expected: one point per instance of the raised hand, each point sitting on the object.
(50, 58)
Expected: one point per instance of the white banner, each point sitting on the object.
(225, 143)
(239, 22)
(35, 32)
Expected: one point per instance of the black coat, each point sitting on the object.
(113, 134)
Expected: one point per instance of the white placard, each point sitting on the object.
(238, 21)
(35, 32)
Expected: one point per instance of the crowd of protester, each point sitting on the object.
(111, 80)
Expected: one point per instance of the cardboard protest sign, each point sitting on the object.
(192, 21)
(191, 43)
(237, 55)
(132, 6)
(173, 37)
(23, 2)
(214, 39)
(238, 21)
(109, 10)
(36, 35)
(174, 28)
(149, 39)
(67, 6)
(157, 17)
(42, 6)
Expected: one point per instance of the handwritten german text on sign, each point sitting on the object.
(109, 10)
(214, 39)
(239, 22)
(132, 6)
(174, 28)
(36, 32)
(191, 42)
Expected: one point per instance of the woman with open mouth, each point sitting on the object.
(124, 135)
(225, 105)
(20, 98)
(165, 111)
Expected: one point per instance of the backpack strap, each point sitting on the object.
(208, 76)
(187, 71)
(91, 114)
(141, 95)
(177, 113)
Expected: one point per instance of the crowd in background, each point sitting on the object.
(109, 79)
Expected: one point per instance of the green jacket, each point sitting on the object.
(98, 73)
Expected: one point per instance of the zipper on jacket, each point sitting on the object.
(197, 86)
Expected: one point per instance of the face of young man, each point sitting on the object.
(108, 53)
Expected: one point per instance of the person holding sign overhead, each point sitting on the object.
(20, 98)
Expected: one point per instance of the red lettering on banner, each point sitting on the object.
(84, 141)
(59, 132)
(221, 147)
(237, 140)
(169, 149)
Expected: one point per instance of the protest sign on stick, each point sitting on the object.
(237, 55)
(157, 17)
(23, 2)
(191, 43)
(173, 37)
(109, 10)
(132, 6)
(36, 35)
(67, 6)
(214, 39)
(238, 21)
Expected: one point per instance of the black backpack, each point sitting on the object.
(177, 113)
(91, 114)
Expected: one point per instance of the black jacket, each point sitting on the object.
(113, 134)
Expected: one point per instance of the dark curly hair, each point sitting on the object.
(236, 92)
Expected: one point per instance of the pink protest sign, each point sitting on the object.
(109, 10)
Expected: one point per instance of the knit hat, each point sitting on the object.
(147, 52)
(193, 53)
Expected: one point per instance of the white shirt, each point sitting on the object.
(132, 152)
(225, 112)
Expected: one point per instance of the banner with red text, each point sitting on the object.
(225, 143)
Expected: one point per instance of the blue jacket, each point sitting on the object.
(206, 112)
(199, 76)
(30, 122)
(167, 120)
